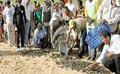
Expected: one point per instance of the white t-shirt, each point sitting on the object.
(28, 9)
(8, 13)
(71, 6)
(113, 47)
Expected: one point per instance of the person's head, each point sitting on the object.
(27, 2)
(106, 36)
(113, 2)
(56, 6)
(39, 27)
(38, 5)
(47, 2)
(69, 1)
(35, 3)
(80, 3)
(19, 2)
(66, 10)
(1, 2)
(72, 24)
(8, 3)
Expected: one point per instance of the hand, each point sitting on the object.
(109, 55)
(90, 66)
(105, 21)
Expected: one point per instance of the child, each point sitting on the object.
(39, 36)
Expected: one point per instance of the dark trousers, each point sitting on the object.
(82, 43)
(113, 63)
(20, 34)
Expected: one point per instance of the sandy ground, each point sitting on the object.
(34, 61)
(12, 62)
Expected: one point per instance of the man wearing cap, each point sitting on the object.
(39, 34)
(75, 26)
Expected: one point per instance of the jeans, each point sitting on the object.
(27, 27)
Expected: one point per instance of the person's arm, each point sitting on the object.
(99, 13)
(116, 19)
(68, 35)
(24, 14)
(100, 58)
(4, 15)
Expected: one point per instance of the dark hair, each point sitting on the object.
(80, 2)
(106, 33)
(1, 2)
(8, 2)
(35, 2)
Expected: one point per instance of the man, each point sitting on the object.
(110, 56)
(109, 12)
(20, 18)
(70, 5)
(8, 19)
(46, 16)
(55, 20)
(28, 12)
(75, 26)
(39, 36)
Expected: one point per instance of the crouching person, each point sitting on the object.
(110, 56)
(75, 27)
(39, 36)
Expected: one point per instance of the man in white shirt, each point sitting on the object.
(28, 11)
(110, 56)
(8, 13)
(109, 12)
(70, 5)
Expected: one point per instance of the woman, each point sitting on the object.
(67, 15)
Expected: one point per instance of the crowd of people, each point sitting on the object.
(35, 24)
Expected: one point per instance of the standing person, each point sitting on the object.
(1, 20)
(55, 20)
(110, 56)
(28, 12)
(34, 6)
(8, 19)
(46, 16)
(90, 15)
(70, 5)
(20, 18)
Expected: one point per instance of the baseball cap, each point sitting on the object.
(71, 23)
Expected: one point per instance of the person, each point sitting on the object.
(8, 19)
(67, 15)
(46, 11)
(28, 12)
(70, 5)
(35, 6)
(19, 19)
(1, 20)
(55, 20)
(39, 36)
(91, 16)
(79, 13)
(110, 56)
(75, 26)
(109, 12)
